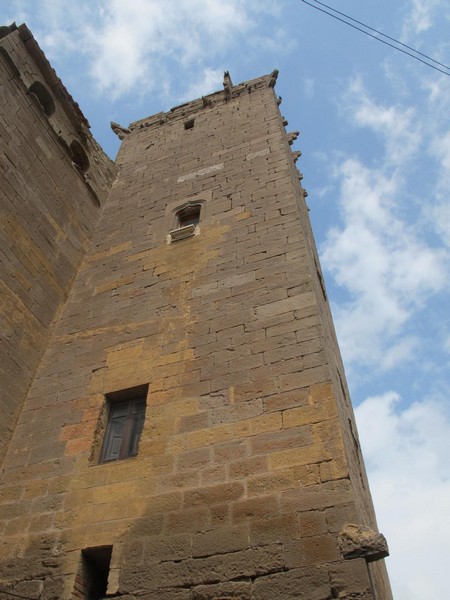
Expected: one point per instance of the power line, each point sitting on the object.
(383, 34)
(375, 37)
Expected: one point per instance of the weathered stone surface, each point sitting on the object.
(356, 541)
(223, 591)
(247, 466)
(311, 584)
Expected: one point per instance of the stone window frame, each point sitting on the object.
(43, 96)
(177, 231)
(79, 156)
(132, 403)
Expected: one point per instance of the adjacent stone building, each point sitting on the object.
(176, 420)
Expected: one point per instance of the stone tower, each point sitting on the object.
(183, 431)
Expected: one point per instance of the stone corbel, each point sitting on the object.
(227, 86)
(273, 78)
(296, 155)
(120, 131)
(292, 136)
(359, 541)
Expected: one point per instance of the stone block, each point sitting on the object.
(254, 508)
(220, 540)
(199, 458)
(230, 451)
(284, 479)
(173, 547)
(317, 497)
(294, 584)
(223, 591)
(270, 530)
(217, 494)
(248, 467)
(314, 550)
(312, 523)
(280, 440)
(188, 520)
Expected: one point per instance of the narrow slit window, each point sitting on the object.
(124, 427)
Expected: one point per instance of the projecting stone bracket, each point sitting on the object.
(120, 131)
(227, 86)
(359, 541)
(273, 78)
(292, 136)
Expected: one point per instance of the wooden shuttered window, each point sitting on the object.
(124, 428)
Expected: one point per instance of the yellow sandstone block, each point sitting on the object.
(124, 354)
(326, 430)
(34, 489)
(266, 423)
(292, 478)
(314, 453)
(306, 415)
(188, 354)
(321, 391)
(180, 408)
(334, 469)
(110, 252)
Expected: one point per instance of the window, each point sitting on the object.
(186, 222)
(43, 96)
(189, 124)
(189, 216)
(125, 422)
(79, 156)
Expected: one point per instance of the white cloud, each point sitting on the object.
(135, 42)
(406, 452)
(421, 15)
(143, 46)
(387, 271)
(209, 80)
(398, 126)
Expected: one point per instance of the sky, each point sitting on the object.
(375, 142)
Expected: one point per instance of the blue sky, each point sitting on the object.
(375, 137)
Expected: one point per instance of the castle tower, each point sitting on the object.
(188, 433)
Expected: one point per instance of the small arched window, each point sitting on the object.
(187, 220)
(43, 96)
(79, 156)
(189, 215)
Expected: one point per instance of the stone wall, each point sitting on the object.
(49, 209)
(247, 469)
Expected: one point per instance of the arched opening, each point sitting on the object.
(43, 96)
(190, 215)
(79, 156)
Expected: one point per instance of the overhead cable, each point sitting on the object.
(379, 39)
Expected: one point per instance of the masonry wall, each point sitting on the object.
(49, 211)
(247, 468)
